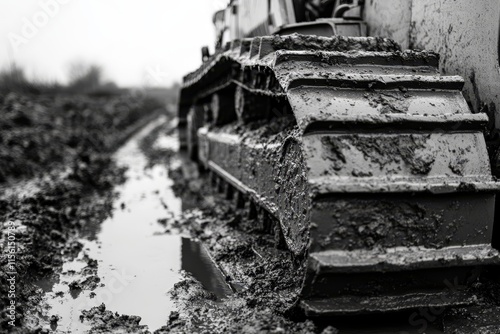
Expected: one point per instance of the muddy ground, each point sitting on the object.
(52, 206)
(56, 178)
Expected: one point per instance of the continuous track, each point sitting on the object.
(368, 161)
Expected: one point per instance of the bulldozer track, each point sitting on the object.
(364, 158)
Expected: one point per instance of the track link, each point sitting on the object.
(370, 161)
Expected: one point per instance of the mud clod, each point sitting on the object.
(389, 103)
(335, 43)
(104, 321)
(393, 149)
(457, 166)
(333, 152)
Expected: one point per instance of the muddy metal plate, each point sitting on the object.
(419, 108)
(419, 157)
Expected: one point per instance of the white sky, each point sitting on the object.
(137, 42)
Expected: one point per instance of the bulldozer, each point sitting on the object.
(371, 161)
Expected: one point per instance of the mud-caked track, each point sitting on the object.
(369, 162)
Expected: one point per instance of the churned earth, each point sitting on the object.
(56, 178)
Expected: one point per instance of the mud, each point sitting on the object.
(386, 150)
(45, 226)
(333, 152)
(265, 280)
(364, 224)
(391, 103)
(108, 269)
(293, 197)
(303, 42)
(40, 132)
(59, 148)
(105, 321)
(335, 43)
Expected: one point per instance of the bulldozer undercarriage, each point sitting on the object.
(364, 161)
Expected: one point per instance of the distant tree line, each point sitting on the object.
(83, 79)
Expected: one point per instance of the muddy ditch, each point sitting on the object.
(88, 252)
(128, 263)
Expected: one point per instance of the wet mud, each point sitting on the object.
(102, 260)
(336, 43)
(56, 180)
(52, 184)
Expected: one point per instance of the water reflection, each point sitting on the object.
(197, 261)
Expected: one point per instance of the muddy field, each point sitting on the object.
(57, 179)
(114, 231)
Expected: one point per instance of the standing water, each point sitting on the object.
(137, 263)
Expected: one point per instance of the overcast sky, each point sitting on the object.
(137, 42)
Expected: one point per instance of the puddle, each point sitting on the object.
(137, 263)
